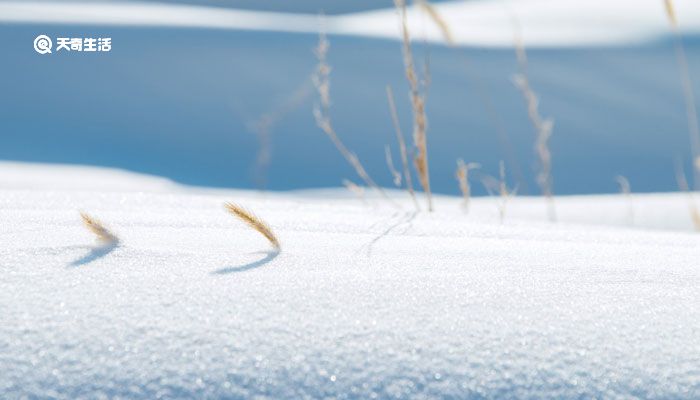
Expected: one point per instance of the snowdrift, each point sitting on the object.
(364, 301)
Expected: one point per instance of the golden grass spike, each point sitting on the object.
(254, 222)
(671, 12)
(438, 20)
(96, 227)
(420, 123)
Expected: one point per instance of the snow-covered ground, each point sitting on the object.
(365, 300)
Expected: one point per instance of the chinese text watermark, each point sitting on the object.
(44, 45)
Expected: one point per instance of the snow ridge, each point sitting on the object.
(442, 305)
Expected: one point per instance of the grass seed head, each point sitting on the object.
(254, 222)
(103, 234)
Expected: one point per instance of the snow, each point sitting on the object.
(364, 300)
(545, 23)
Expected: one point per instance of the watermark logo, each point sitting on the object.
(43, 44)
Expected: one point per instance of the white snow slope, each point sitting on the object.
(474, 23)
(364, 301)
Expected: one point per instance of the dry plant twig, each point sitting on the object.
(395, 175)
(417, 105)
(671, 13)
(688, 95)
(683, 186)
(402, 146)
(482, 92)
(263, 126)
(355, 189)
(462, 175)
(438, 20)
(254, 222)
(504, 192)
(103, 234)
(321, 80)
(543, 126)
(499, 187)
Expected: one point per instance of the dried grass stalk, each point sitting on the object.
(499, 187)
(264, 125)
(395, 175)
(485, 97)
(503, 191)
(355, 189)
(624, 183)
(254, 222)
(103, 234)
(543, 129)
(417, 105)
(671, 13)
(688, 95)
(402, 146)
(462, 175)
(438, 20)
(262, 128)
(321, 80)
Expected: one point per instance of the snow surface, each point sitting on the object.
(364, 300)
(481, 23)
